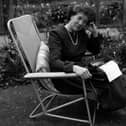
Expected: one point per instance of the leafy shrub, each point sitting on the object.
(114, 49)
(11, 67)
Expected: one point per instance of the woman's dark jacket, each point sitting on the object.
(63, 54)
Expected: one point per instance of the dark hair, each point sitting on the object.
(88, 11)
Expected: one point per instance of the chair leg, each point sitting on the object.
(86, 102)
(52, 97)
(41, 105)
(34, 84)
(46, 112)
(94, 114)
(65, 104)
(32, 115)
(97, 104)
(66, 117)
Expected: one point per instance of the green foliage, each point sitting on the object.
(11, 68)
(114, 49)
(111, 13)
(50, 16)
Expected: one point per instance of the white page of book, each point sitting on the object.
(112, 70)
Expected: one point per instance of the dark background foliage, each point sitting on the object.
(11, 67)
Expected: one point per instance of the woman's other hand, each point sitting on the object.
(82, 71)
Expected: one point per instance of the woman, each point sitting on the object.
(68, 44)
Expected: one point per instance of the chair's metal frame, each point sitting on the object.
(36, 76)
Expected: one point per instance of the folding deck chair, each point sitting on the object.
(25, 35)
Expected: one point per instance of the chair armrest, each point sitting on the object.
(49, 75)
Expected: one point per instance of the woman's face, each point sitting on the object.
(78, 21)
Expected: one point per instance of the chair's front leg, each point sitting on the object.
(86, 102)
(33, 114)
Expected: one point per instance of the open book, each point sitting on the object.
(111, 70)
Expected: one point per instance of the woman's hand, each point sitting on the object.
(82, 71)
(93, 29)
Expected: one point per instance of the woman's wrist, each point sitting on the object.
(82, 71)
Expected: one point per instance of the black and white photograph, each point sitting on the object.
(62, 62)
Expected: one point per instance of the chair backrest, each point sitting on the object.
(25, 34)
(33, 52)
